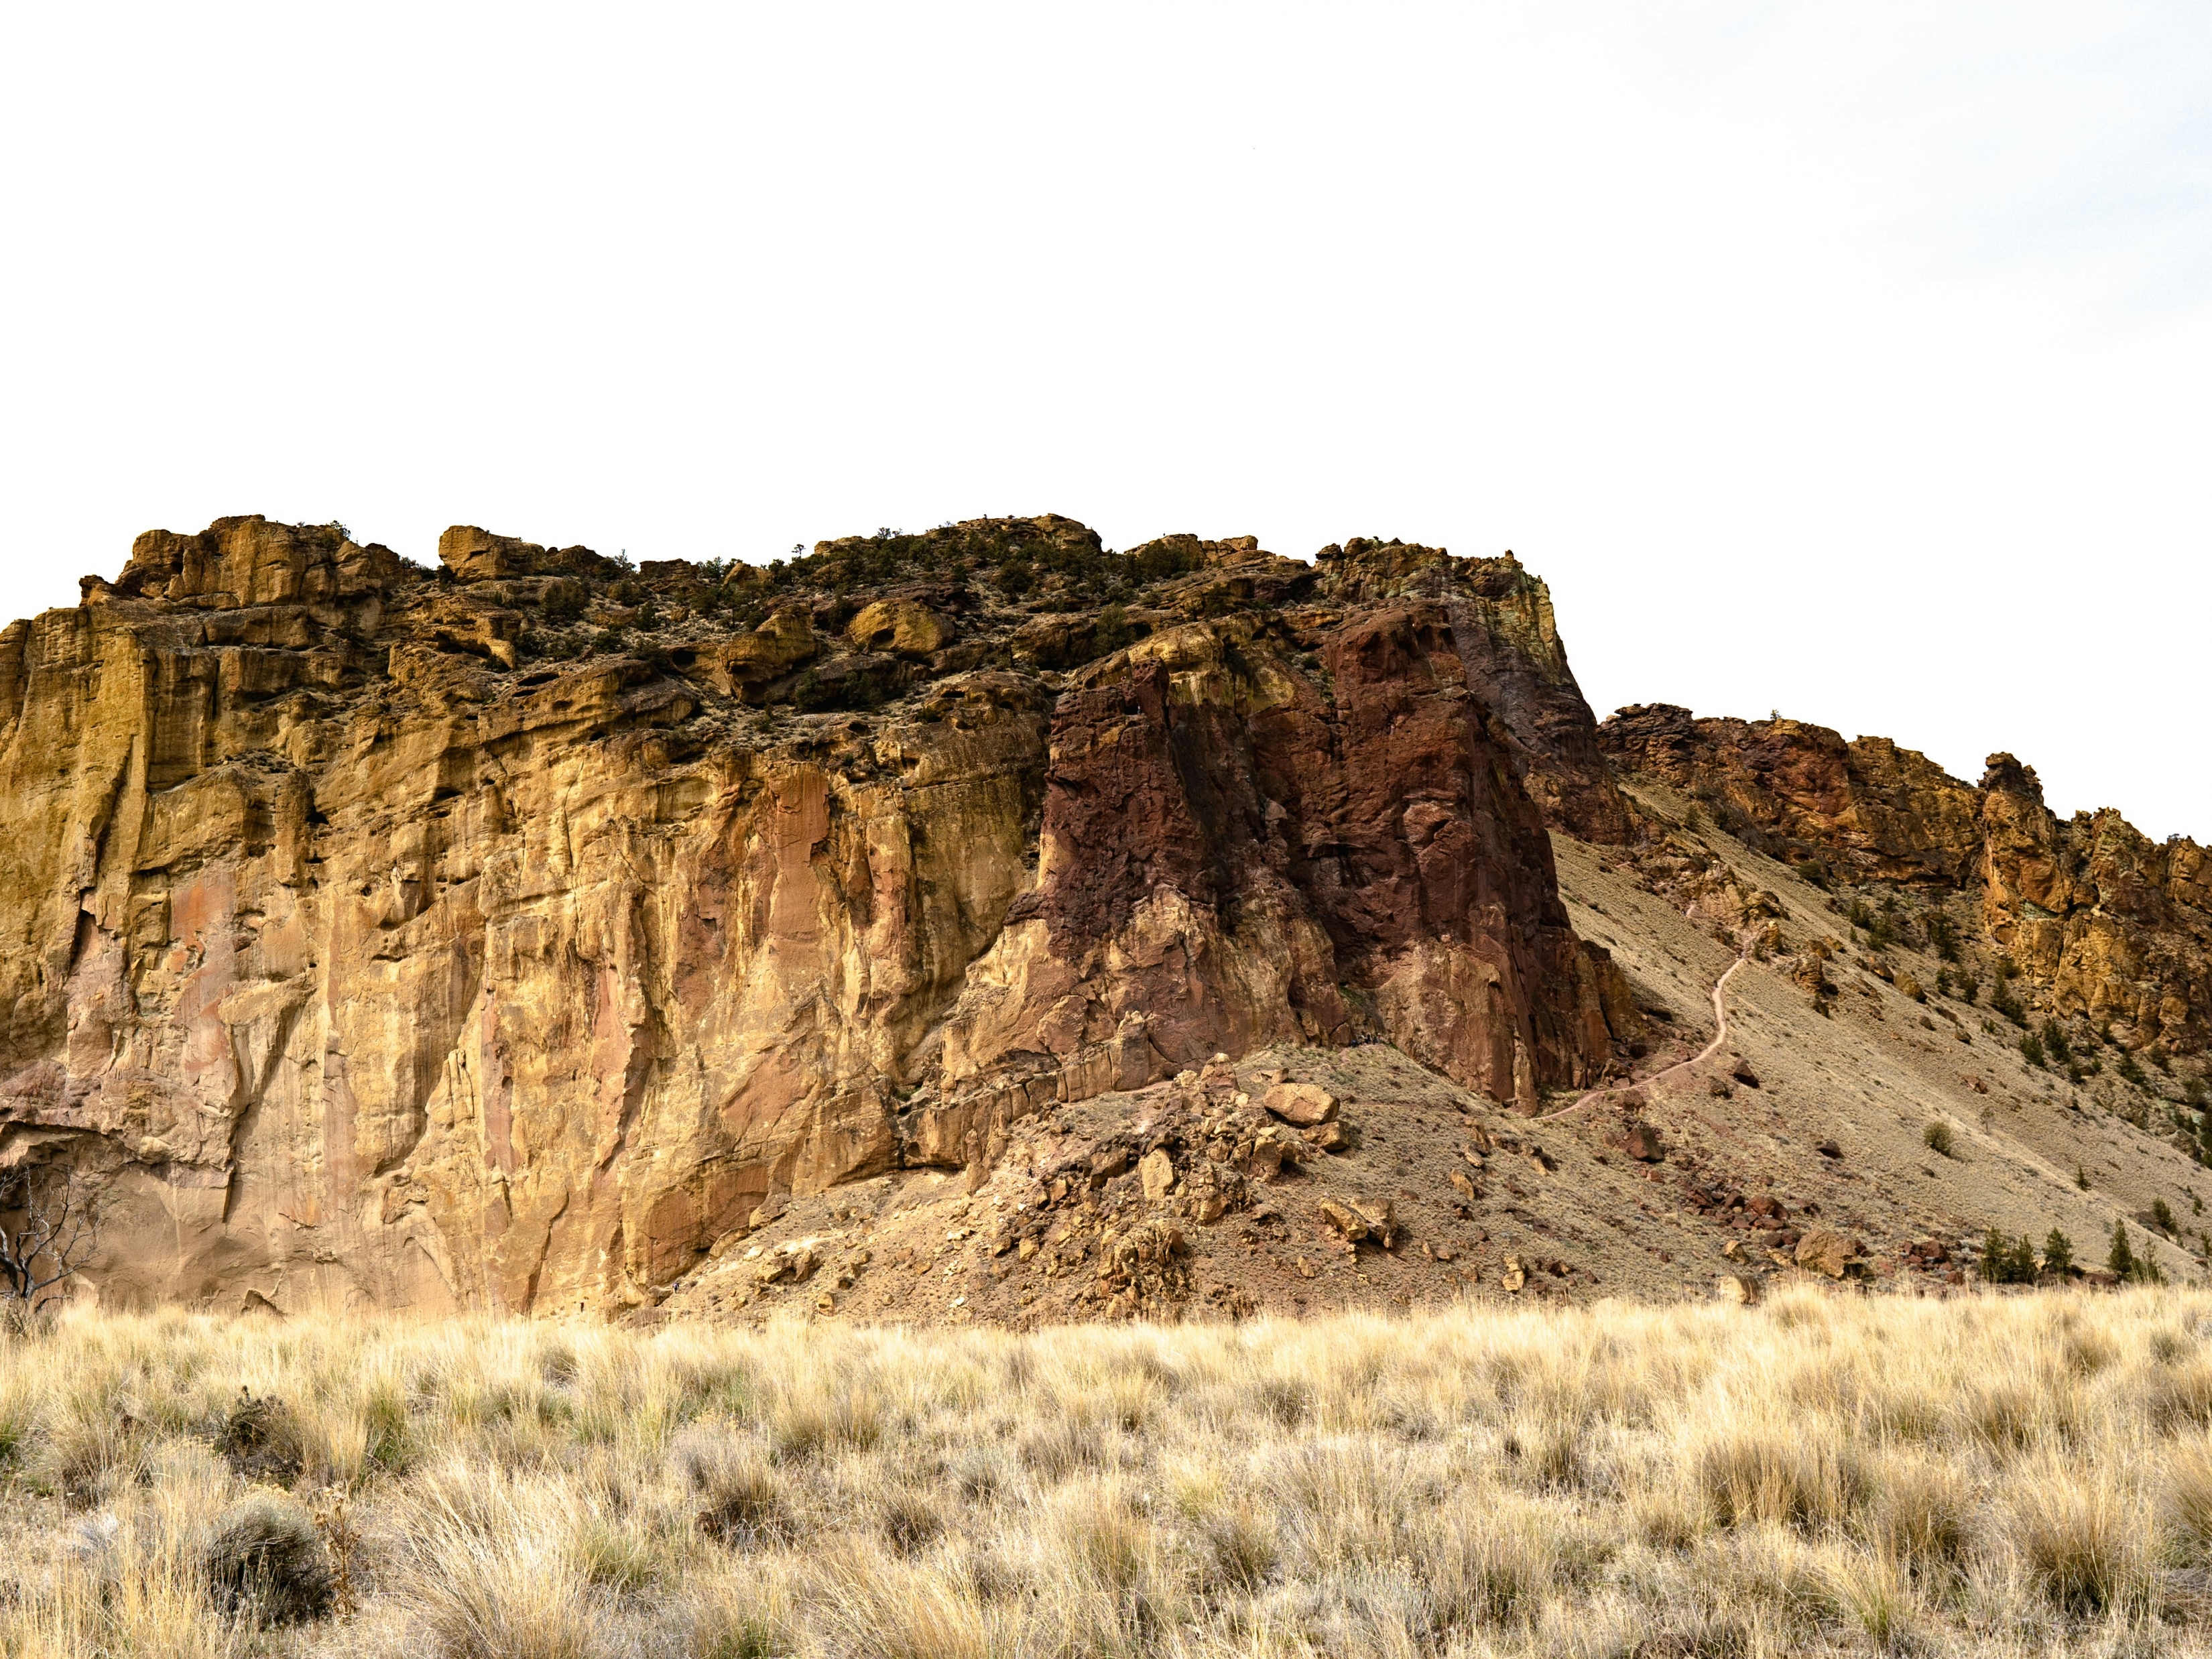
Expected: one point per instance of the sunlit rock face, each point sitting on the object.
(2100, 922)
(505, 934)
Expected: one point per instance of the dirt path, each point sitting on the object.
(1720, 1036)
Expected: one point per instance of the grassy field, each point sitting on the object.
(1828, 1472)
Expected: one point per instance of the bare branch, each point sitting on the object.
(55, 1232)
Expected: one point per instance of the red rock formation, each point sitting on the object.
(2102, 922)
(504, 937)
(1869, 809)
(1509, 642)
(1229, 850)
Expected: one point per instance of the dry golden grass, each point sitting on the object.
(1828, 1473)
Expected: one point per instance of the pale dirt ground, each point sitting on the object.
(1585, 1220)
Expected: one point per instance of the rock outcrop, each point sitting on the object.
(1862, 810)
(2101, 923)
(507, 934)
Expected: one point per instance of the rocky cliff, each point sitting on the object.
(510, 934)
(2102, 926)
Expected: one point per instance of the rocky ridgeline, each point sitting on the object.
(2091, 921)
(512, 933)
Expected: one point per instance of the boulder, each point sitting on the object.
(1157, 1171)
(1303, 1104)
(1381, 1216)
(1827, 1250)
(779, 645)
(1641, 1142)
(900, 626)
(1347, 1222)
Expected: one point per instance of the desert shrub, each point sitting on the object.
(2002, 999)
(746, 1613)
(1058, 1447)
(739, 1495)
(1935, 1135)
(1235, 1550)
(265, 1562)
(2076, 1537)
(1752, 1474)
(262, 1439)
(1112, 632)
(817, 1417)
(2184, 1509)
(2030, 1049)
(1921, 1513)
(2131, 1069)
(491, 1569)
(912, 1519)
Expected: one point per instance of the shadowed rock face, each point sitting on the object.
(1243, 858)
(504, 935)
(2102, 921)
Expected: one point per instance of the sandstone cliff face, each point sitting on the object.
(2102, 922)
(504, 935)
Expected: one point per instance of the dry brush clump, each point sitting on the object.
(1830, 1473)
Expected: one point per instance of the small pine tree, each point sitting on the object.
(1995, 1253)
(2054, 1040)
(2031, 1049)
(2121, 1259)
(2080, 1177)
(2057, 1254)
(2161, 1216)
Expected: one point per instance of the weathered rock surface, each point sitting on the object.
(2101, 923)
(1863, 811)
(510, 934)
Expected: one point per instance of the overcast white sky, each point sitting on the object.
(1852, 361)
